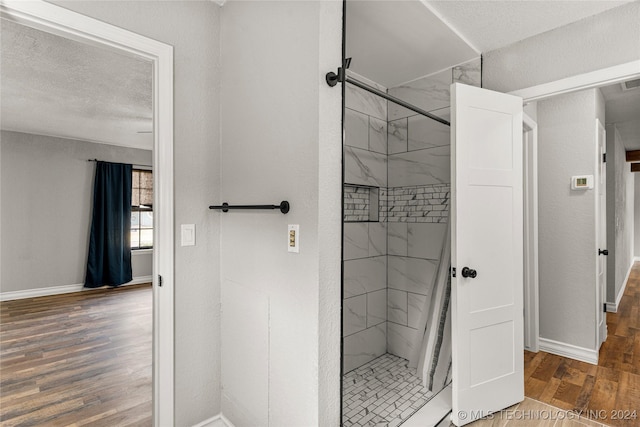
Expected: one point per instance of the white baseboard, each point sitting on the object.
(216, 421)
(636, 258)
(64, 289)
(612, 307)
(569, 350)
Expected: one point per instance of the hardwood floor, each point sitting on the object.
(81, 359)
(603, 391)
(85, 360)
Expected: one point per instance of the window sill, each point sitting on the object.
(141, 251)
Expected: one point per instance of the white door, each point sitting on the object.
(601, 230)
(487, 240)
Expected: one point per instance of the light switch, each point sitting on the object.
(293, 238)
(187, 234)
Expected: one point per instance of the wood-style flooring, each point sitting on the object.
(603, 392)
(81, 359)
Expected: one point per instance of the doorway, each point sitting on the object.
(56, 20)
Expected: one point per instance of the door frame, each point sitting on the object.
(530, 194)
(601, 294)
(63, 22)
(590, 80)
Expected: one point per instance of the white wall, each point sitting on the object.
(566, 147)
(281, 139)
(601, 41)
(192, 28)
(620, 214)
(47, 188)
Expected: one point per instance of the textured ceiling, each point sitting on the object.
(623, 109)
(490, 25)
(395, 41)
(59, 87)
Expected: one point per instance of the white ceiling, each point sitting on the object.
(623, 110)
(395, 41)
(54, 86)
(490, 25)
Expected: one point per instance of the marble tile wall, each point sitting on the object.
(431, 93)
(416, 201)
(390, 265)
(365, 233)
(364, 293)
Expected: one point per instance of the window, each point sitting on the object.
(141, 209)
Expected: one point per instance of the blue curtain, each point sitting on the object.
(109, 260)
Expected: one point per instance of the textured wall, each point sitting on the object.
(608, 39)
(620, 219)
(566, 147)
(47, 196)
(280, 140)
(192, 28)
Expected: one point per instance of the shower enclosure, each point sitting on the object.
(396, 322)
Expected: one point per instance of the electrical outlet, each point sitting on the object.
(293, 238)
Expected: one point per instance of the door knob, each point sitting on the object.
(603, 252)
(469, 272)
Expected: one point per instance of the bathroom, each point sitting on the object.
(257, 329)
(397, 186)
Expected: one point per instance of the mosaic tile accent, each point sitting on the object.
(426, 203)
(356, 203)
(382, 393)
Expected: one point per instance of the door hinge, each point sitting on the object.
(159, 280)
(604, 157)
(604, 307)
(453, 272)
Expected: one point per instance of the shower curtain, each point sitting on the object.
(432, 354)
(109, 259)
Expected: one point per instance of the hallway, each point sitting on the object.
(609, 391)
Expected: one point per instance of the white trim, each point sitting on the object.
(636, 258)
(531, 277)
(600, 206)
(215, 421)
(569, 350)
(593, 79)
(135, 252)
(612, 307)
(75, 26)
(64, 289)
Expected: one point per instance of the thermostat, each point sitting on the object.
(582, 182)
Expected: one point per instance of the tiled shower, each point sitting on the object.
(396, 198)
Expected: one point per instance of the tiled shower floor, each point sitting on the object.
(382, 393)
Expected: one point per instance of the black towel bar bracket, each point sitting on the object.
(226, 207)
